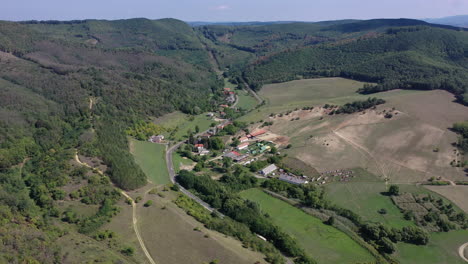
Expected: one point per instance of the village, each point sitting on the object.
(245, 148)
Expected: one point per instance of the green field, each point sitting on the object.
(246, 101)
(364, 196)
(178, 160)
(442, 249)
(151, 158)
(184, 123)
(322, 242)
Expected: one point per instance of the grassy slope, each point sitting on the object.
(311, 92)
(442, 249)
(324, 243)
(182, 122)
(246, 101)
(367, 199)
(151, 158)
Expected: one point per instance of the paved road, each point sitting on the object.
(172, 175)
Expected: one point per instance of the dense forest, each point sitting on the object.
(413, 57)
(78, 86)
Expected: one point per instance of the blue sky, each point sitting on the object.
(229, 10)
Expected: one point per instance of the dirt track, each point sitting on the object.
(134, 216)
(461, 251)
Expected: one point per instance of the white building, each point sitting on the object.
(268, 169)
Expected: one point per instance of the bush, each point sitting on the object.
(148, 203)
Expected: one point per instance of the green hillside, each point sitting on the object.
(409, 57)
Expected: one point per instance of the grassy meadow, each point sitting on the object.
(246, 101)
(310, 92)
(442, 249)
(151, 158)
(324, 243)
(184, 123)
(363, 195)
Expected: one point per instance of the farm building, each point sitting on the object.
(292, 179)
(156, 139)
(243, 139)
(232, 154)
(257, 133)
(268, 169)
(243, 146)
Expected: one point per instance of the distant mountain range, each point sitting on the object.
(457, 21)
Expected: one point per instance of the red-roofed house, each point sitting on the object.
(227, 89)
(258, 133)
(243, 139)
(224, 106)
(199, 145)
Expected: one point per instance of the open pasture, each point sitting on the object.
(184, 123)
(442, 249)
(151, 158)
(364, 196)
(174, 237)
(413, 145)
(324, 243)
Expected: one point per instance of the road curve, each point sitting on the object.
(461, 251)
(172, 175)
(134, 217)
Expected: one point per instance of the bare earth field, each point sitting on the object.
(412, 146)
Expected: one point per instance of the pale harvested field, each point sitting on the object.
(170, 237)
(400, 148)
(457, 194)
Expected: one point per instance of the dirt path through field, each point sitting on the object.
(461, 251)
(134, 215)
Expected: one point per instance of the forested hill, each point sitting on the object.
(77, 86)
(412, 57)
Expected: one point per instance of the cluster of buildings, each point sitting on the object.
(201, 150)
(271, 169)
(230, 95)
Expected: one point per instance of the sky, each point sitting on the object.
(229, 10)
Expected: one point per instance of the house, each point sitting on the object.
(210, 114)
(257, 133)
(205, 135)
(224, 105)
(227, 89)
(243, 146)
(203, 151)
(232, 154)
(156, 139)
(198, 146)
(243, 139)
(292, 179)
(268, 169)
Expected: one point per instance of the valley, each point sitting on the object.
(154, 141)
